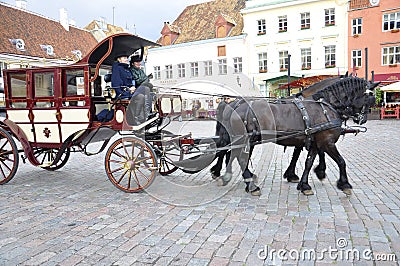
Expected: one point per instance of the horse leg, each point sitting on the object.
(216, 169)
(320, 169)
(249, 177)
(229, 157)
(290, 174)
(343, 182)
(303, 185)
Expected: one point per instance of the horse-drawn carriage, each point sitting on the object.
(54, 111)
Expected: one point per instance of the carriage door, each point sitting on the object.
(44, 110)
(74, 109)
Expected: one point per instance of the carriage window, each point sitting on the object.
(18, 85)
(44, 84)
(75, 82)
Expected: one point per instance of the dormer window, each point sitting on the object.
(19, 44)
(77, 54)
(48, 49)
(169, 34)
(223, 25)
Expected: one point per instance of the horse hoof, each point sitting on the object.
(347, 191)
(220, 182)
(308, 192)
(293, 180)
(256, 192)
(215, 177)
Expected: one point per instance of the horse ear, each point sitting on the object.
(375, 84)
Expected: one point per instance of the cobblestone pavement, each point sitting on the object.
(75, 216)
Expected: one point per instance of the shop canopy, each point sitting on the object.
(394, 87)
(305, 82)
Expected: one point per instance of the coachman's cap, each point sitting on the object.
(136, 58)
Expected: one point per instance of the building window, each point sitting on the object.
(330, 56)
(283, 60)
(221, 32)
(222, 67)
(356, 59)
(306, 58)
(390, 55)
(262, 62)
(237, 64)
(391, 21)
(222, 50)
(282, 23)
(181, 70)
(157, 72)
(208, 68)
(168, 72)
(305, 20)
(194, 69)
(262, 29)
(356, 26)
(329, 17)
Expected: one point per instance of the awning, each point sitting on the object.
(305, 82)
(394, 87)
(387, 78)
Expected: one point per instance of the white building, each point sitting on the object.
(313, 33)
(203, 50)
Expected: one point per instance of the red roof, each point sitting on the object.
(36, 30)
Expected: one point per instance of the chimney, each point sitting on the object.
(64, 18)
(20, 4)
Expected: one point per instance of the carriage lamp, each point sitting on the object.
(238, 81)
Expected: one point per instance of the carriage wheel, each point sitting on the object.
(131, 164)
(168, 152)
(8, 157)
(47, 156)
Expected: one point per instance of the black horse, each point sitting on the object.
(315, 124)
(289, 174)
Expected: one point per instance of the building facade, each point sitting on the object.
(307, 36)
(374, 39)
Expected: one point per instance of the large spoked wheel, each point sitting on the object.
(8, 157)
(46, 157)
(131, 164)
(168, 151)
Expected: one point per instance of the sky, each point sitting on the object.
(145, 17)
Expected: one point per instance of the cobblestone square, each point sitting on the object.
(75, 216)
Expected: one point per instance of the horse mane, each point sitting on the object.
(310, 90)
(343, 92)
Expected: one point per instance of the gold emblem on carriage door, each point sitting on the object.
(47, 132)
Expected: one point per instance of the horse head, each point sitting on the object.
(351, 97)
(362, 104)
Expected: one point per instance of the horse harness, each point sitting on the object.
(309, 131)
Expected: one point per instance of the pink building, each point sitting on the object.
(374, 39)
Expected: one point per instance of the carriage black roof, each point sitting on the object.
(107, 49)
